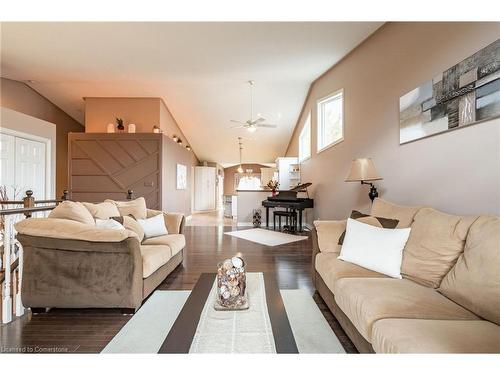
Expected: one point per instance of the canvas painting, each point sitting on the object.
(181, 177)
(465, 94)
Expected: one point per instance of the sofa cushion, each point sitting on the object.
(435, 336)
(176, 242)
(104, 210)
(153, 257)
(70, 210)
(474, 281)
(436, 241)
(404, 214)
(380, 222)
(329, 232)
(331, 269)
(137, 207)
(70, 230)
(366, 300)
(131, 224)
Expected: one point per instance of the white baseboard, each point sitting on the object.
(244, 224)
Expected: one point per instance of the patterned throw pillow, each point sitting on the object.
(380, 222)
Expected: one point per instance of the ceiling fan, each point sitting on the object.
(252, 124)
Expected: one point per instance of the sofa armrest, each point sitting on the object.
(69, 273)
(174, 221)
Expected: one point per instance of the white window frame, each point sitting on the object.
(306, 127)
(319, 127)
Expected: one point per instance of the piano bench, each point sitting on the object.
(289, 215)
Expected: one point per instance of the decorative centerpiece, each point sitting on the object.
(273, 185)
(231, 285)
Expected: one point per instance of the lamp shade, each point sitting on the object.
(363, 170)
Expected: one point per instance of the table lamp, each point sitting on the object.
(363, 170)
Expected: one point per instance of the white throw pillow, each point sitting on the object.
(154, 226)
(374, 248)
(108, 224)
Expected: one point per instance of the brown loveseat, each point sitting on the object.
(448, 300)
(71, 263)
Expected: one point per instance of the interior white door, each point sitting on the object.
(7, 164)
(204, 185)
(30, 166)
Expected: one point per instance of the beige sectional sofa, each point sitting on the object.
(448, 300)
(71, 263)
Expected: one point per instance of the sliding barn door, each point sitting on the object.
(105, 166)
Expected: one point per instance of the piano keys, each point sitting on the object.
(288, 199)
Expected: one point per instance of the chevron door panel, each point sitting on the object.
(106, 166)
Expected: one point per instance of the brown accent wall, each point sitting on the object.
(106, 166)
(457, 172)
(20, 97)
(231, 171)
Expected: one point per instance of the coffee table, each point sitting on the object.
(180, 336)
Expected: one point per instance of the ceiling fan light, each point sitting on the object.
(251, 129)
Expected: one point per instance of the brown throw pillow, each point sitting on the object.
(380, 222)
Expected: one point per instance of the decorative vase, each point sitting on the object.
(273, 192)
(231, 285)
(131, 128)
(110, 128)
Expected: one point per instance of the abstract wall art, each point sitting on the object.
(465, 94)
(181, 177)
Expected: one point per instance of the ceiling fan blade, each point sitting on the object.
(237, 126)
(238, 122)
(266, 125)
(260, 119)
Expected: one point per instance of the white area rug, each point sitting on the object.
(149, 327)
(265, 236)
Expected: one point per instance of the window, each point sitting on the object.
(305, 140)
(330, 120)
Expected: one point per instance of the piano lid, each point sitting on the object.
(301, 187)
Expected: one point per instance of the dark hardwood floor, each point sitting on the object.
(89, 330)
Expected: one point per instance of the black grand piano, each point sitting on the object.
(288, 199)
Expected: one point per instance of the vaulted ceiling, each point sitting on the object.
(199, 69)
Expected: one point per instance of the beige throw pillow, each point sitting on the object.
(329, 232)
(404, 214)
(474, 282)
(70, 210)
(137, 208)
(131, 224)
(103, 210)
(436, 241)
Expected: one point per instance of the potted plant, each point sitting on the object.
(119, 125)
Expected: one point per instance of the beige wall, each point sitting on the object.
(143, 112)
(457, 172)
(174, 200)
(230, 172)
(21, 98)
